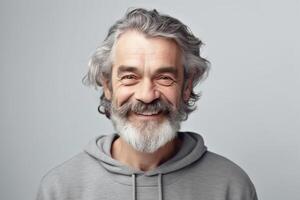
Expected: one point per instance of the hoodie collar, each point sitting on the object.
(191, 150)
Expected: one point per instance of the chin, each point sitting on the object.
(146, 136)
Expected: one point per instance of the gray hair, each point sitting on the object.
(152, 24)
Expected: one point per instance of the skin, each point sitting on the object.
(145, 69)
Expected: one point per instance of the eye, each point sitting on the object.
(129, 76)
(165, 80)
(128, 79)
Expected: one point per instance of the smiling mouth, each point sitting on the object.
(148, 115)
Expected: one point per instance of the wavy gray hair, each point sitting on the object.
(152, 24)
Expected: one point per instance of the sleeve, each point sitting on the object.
(43, 193)
(49, 188)
(242, 189)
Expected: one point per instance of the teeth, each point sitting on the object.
(148, 113)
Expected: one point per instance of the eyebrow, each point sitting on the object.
(124, 68)
(167, 69)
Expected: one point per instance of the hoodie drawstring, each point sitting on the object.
(159, 179)
(160, 194)
(134, 187)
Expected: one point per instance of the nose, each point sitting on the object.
(147, 92)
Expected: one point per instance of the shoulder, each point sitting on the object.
(224, 174)
(68, 167)
(222, 166)
(73, 173)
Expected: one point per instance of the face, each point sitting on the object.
(147, 81)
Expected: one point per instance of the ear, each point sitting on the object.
(188, 87)
(106, 88)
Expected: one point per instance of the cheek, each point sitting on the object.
(122, 95)
(172, 95)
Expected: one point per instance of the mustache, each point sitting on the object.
(141, 107)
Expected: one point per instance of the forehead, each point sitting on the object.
(135, 49)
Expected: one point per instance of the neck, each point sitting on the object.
(126, 154)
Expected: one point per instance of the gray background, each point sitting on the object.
(249, 111)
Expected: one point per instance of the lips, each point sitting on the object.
(147, 113)
(155, 109)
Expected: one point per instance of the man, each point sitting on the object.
(148, 66)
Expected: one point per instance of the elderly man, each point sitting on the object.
(148, 66)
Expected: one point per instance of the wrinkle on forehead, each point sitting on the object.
(134, 42)
(135, 49)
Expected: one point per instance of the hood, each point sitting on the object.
(191, 150)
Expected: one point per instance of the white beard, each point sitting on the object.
(147, 136)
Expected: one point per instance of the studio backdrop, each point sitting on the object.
(249, 109)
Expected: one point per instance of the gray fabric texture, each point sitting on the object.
(193, 173)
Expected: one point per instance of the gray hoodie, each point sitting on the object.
(193, 173)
